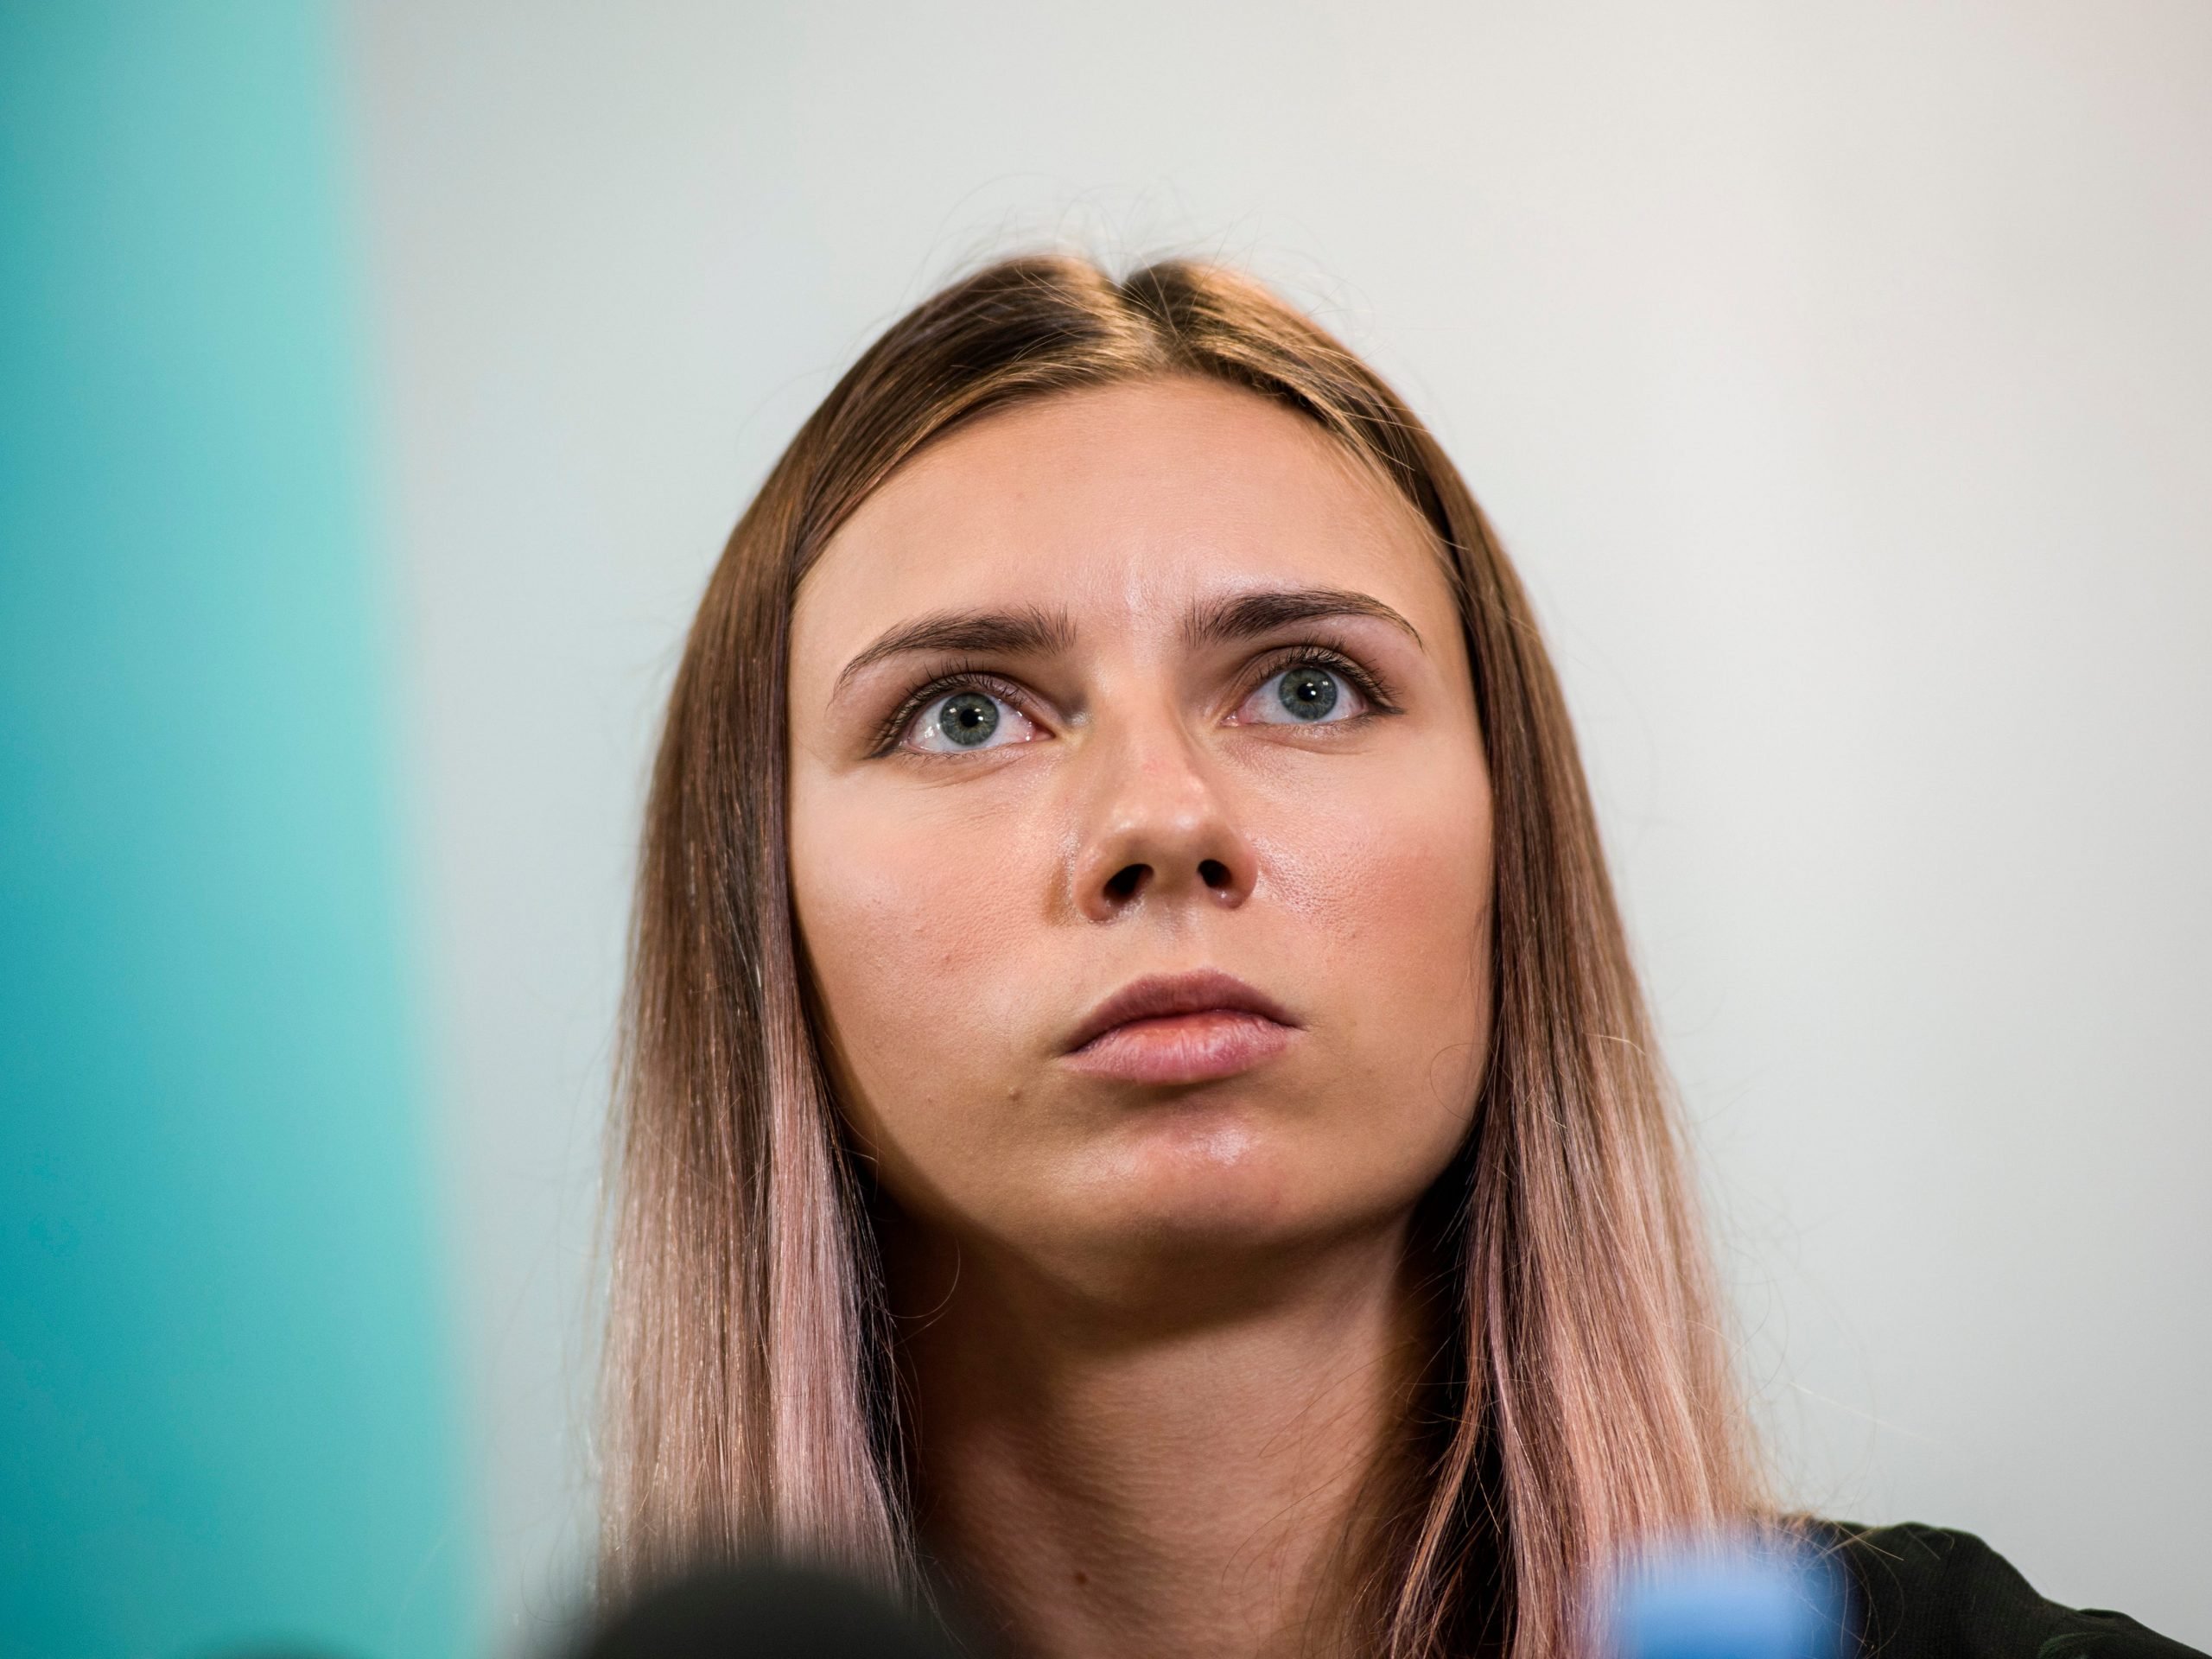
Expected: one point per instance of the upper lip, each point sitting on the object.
(1160, 996)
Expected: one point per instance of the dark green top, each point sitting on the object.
(1924, 1592)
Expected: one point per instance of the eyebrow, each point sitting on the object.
(1032, 632)
(1027, 632)
(1246, 615)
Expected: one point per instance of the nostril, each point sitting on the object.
(1125, 881)
(1214, 873)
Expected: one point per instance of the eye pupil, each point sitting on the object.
(968, 718)
(1307, 693)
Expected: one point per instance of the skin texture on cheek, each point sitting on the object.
(911, 919)
(1399, 912)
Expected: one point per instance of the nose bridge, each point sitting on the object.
(1156, 823)
(1153, 762)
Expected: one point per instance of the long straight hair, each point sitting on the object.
(1586, 1399)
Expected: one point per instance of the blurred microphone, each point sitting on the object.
(1726, 1600)
(763, 1610)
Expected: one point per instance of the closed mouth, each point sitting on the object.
(1171, 996)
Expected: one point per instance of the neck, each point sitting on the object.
(1188, 1465)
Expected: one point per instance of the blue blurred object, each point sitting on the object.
(227, 1412)
(1726, 1599)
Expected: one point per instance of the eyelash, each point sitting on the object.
(961, 676)
(1332, 656)
(968, 677)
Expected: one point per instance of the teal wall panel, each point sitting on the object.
(226, 1413)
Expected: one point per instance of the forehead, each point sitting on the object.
(1121, 504)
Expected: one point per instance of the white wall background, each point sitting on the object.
(1841, 375)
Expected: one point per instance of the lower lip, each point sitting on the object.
(1184, 1048)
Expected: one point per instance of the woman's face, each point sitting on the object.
(1141, 833)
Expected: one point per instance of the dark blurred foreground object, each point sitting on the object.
(760, 1609)
(1930, 1592)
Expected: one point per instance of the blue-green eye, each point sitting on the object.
(1304, 694)
(968, 720)
(963, 721)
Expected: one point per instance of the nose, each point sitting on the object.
(1156, 830)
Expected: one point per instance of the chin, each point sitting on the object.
(1189, 1177)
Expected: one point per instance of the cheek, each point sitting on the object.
(1395, 892)
(1396, 880)
(913, 927)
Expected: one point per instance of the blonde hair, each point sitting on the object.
(1586, 1395)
